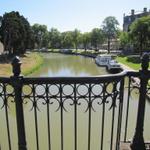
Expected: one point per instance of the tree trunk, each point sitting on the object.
(85, 48)
(76, 47)
(141, 45)
(108, 45)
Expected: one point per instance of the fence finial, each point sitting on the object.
(145, 62)
(16, 63)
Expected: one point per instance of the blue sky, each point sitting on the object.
(70, 14)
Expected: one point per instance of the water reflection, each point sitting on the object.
(68, 65)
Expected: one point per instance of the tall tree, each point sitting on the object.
(45, 40)
(55, 38)
(124, 40)
(1, 20)
(0, 24)
(86, 39)
(28, 41)
(110, 28)
(39, 32)
(97, 38)
(67, 39)
(14, 32)
(76, 38)
(140, 33)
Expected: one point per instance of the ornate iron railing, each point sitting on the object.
(95, 96)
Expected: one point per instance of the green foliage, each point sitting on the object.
(15, 33)
(1, 20)
(55, 38)
(76, 38)
(124, 39)
(97, 37)
(134, 59)
(110, 26)
(140, 33)
(45, 40)
(123, 60)
(38, 62)
(85, 39)
(40, 35)
(0, 25)
(110, 29)
(67, 39)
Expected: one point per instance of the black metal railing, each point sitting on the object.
(95, 98)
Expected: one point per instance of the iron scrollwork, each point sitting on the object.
(71, 94)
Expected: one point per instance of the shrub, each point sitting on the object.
(134, 59)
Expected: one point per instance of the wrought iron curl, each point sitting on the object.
(6, 95)
(27, 93)
(82, 97)
(111, 95)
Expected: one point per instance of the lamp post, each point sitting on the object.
(138, 139)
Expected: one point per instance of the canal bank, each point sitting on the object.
(33, 62)
(30, 63)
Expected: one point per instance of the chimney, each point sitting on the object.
(132, 11)
(145, 10)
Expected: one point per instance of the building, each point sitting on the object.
(1, 48)
(127, 20)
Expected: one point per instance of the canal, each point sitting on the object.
(68, 65)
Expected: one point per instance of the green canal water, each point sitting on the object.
(68, 65)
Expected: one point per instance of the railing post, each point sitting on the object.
(16, 81)
(138, 139)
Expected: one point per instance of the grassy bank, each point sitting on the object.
(30, 63)
(123, 60)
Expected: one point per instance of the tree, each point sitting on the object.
(76, 38)
(1, 20)
(124, 40)
(67, 40)
(110, 28)
(0, 24)
(140, 33)
(28, 41)
(39, 32)
(86, 38)
(14, 32)
(55, 38)
(97, 37)
(45, 40)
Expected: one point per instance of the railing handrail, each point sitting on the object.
(18, 81)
